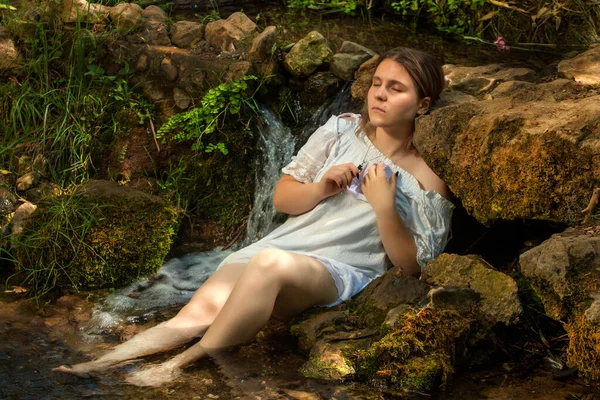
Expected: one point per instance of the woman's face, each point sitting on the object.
(393, 100)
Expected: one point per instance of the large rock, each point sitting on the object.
(242, 22)
(528, 153)
(262, 45)
(155, 14)
(349, 58)
(565, 273)
(499, 294)
(583, 68)
(10, 58)
(8, 201)
(364, 76)
(110, 235)
(307, 55)
(476, 80)
(81, 10)
(224, 35)
(126, 15)
(184, 33)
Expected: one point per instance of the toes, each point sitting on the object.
(71, 371)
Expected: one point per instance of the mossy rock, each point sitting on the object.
(102, 235)
(584, 346)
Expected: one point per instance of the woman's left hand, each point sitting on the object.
(380, 192)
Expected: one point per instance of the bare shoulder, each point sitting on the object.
(430, 181)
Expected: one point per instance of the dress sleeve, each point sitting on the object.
(428, 216)
(305, 166)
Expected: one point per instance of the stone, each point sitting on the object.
(242, 22)
(477, 80)
(262, 45)
(320, 87)
(224, 35)
(10, 58)
(182, 99)
(126, 15)
(155, 14)
(363, 78)
(28, 181)
(169, 69)
(583, 68)
(308, 55)
(141, 65)
(311, 329)
(80, 10)
(238, 70)
(22, 214)
(453, 298)
(528, 154)
(153, 33)
(345, 65)
(348, 47)
(327, 362)
(184, 33)
(8, 201)
(153, 91)
(452, 97)
(499, 293)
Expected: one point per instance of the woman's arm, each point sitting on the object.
(294, 197)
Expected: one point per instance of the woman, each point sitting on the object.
(360, 200)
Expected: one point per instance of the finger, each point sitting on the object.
(354, 169)
(349, 176)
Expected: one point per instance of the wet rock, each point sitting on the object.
(363, 76)
(169, 69)
(386, 292)
(126, 15)
(499, 294)
(8, 201)
(307, 55)
(528, 154)
(10, 58)
(182, 99)
(184, 33)
(28, 181)
(349, 58)
(564, 272)
(453, 298)
(242, 22)
(327, 361)
(320, 87)
(155, 14)
(583, 68)
(262, 45)
(476, 80)
(309, 330)
(224, 35)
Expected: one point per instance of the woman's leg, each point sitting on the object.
(273, 280)
(191, 321)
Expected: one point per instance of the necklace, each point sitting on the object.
(365, 160)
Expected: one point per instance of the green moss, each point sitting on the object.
(418, 353)
(108, 236)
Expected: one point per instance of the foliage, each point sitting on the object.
(193, 125)
(84, 240)
(348, 7)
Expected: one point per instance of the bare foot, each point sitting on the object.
(154, 376)
(83, 370)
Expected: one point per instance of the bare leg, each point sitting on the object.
(274, 280)
(191, 322)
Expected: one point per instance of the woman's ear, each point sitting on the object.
(424, 106)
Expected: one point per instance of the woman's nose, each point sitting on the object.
(380, 93)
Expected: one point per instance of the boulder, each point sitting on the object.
(112, 235)
(126, 15)
(27, 181)
(237, 70)
(242, 22)
(181, 98)
(348, 47)
(262, 45)
(10, 58)
(308, 55)
(327, 362)
(155, 14)
(564, 271)
(19, 220)
(584, 68)
(169, 69)
(477, 80)
(364, 76)
(527, 154)
(224, 35)
(152, 33)
(80, 10)
(184, 33)
(345, 65)
(319, 88)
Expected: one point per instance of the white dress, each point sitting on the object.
(341, 231)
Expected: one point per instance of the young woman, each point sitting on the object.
(360, 200)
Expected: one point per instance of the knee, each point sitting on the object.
(271, 264)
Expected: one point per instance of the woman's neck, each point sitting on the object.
(393, 145)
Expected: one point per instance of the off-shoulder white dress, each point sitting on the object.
(341, 231)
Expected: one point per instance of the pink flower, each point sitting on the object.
(14, 80)
(160, 27)
(501, 44)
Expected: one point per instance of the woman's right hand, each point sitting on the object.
(336, 179)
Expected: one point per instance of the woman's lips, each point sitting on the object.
(377, 110)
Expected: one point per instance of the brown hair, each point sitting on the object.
(424, 70)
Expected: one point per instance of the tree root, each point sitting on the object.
(591, 206)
